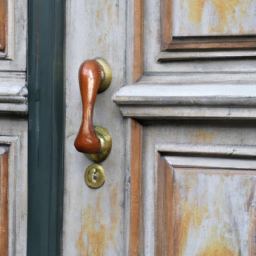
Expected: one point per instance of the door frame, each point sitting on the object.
(46, 36)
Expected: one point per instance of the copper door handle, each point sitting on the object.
(94, 77)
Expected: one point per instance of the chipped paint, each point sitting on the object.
(212, 212)
(95, 236)
(214, 17)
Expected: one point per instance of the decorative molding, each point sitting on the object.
(13, 93)
(231, 158)
(211, 101)
(17, 196)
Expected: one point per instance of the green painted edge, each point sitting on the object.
(46, 35)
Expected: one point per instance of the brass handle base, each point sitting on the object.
(94, 176)
(106, 144)
(106, 75)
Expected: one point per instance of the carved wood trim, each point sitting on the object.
(4, 218)
(138, 49)
(189, 43)
(3, 24)
(164, 224)
(135, 188)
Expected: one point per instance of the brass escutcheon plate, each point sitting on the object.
(106, 144)
(94, 176)
(106, 75)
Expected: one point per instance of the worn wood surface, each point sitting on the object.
(94, 219)
(201, 21)
(164, 222)
(213, 211)
(138, 52)
(135, 188)
(213, 17)
(4, 205)
(3, 24)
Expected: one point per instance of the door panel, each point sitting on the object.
(183, 127)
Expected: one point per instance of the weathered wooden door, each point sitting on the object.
(13, 128)
(181, 175)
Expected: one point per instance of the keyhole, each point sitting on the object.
(94, 176)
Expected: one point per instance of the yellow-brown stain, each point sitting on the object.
(226, 10)
(216, 247)
(191, 209)
(185, 215)
(203, 136)
(96, 236)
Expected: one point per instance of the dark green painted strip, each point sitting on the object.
(46, 26)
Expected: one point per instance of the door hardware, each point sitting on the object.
(94, 176)
(95, 141)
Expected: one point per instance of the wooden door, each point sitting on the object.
(13, 128)
(180, 178)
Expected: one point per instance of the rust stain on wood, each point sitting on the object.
(96, 236)
(3, 24)
(4, 204)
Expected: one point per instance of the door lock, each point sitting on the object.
(94, 176)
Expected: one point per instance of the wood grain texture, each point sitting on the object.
(170, 43)
(135, 188)
(89, 80)
(138, 47)
(3, 24)
(164, 208)
(4, 204)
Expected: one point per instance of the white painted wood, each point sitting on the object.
(188, 101)
(94, 29)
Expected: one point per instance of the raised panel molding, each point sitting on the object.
(211, 174)
(17, 194)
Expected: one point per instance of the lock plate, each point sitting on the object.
(94, 176)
